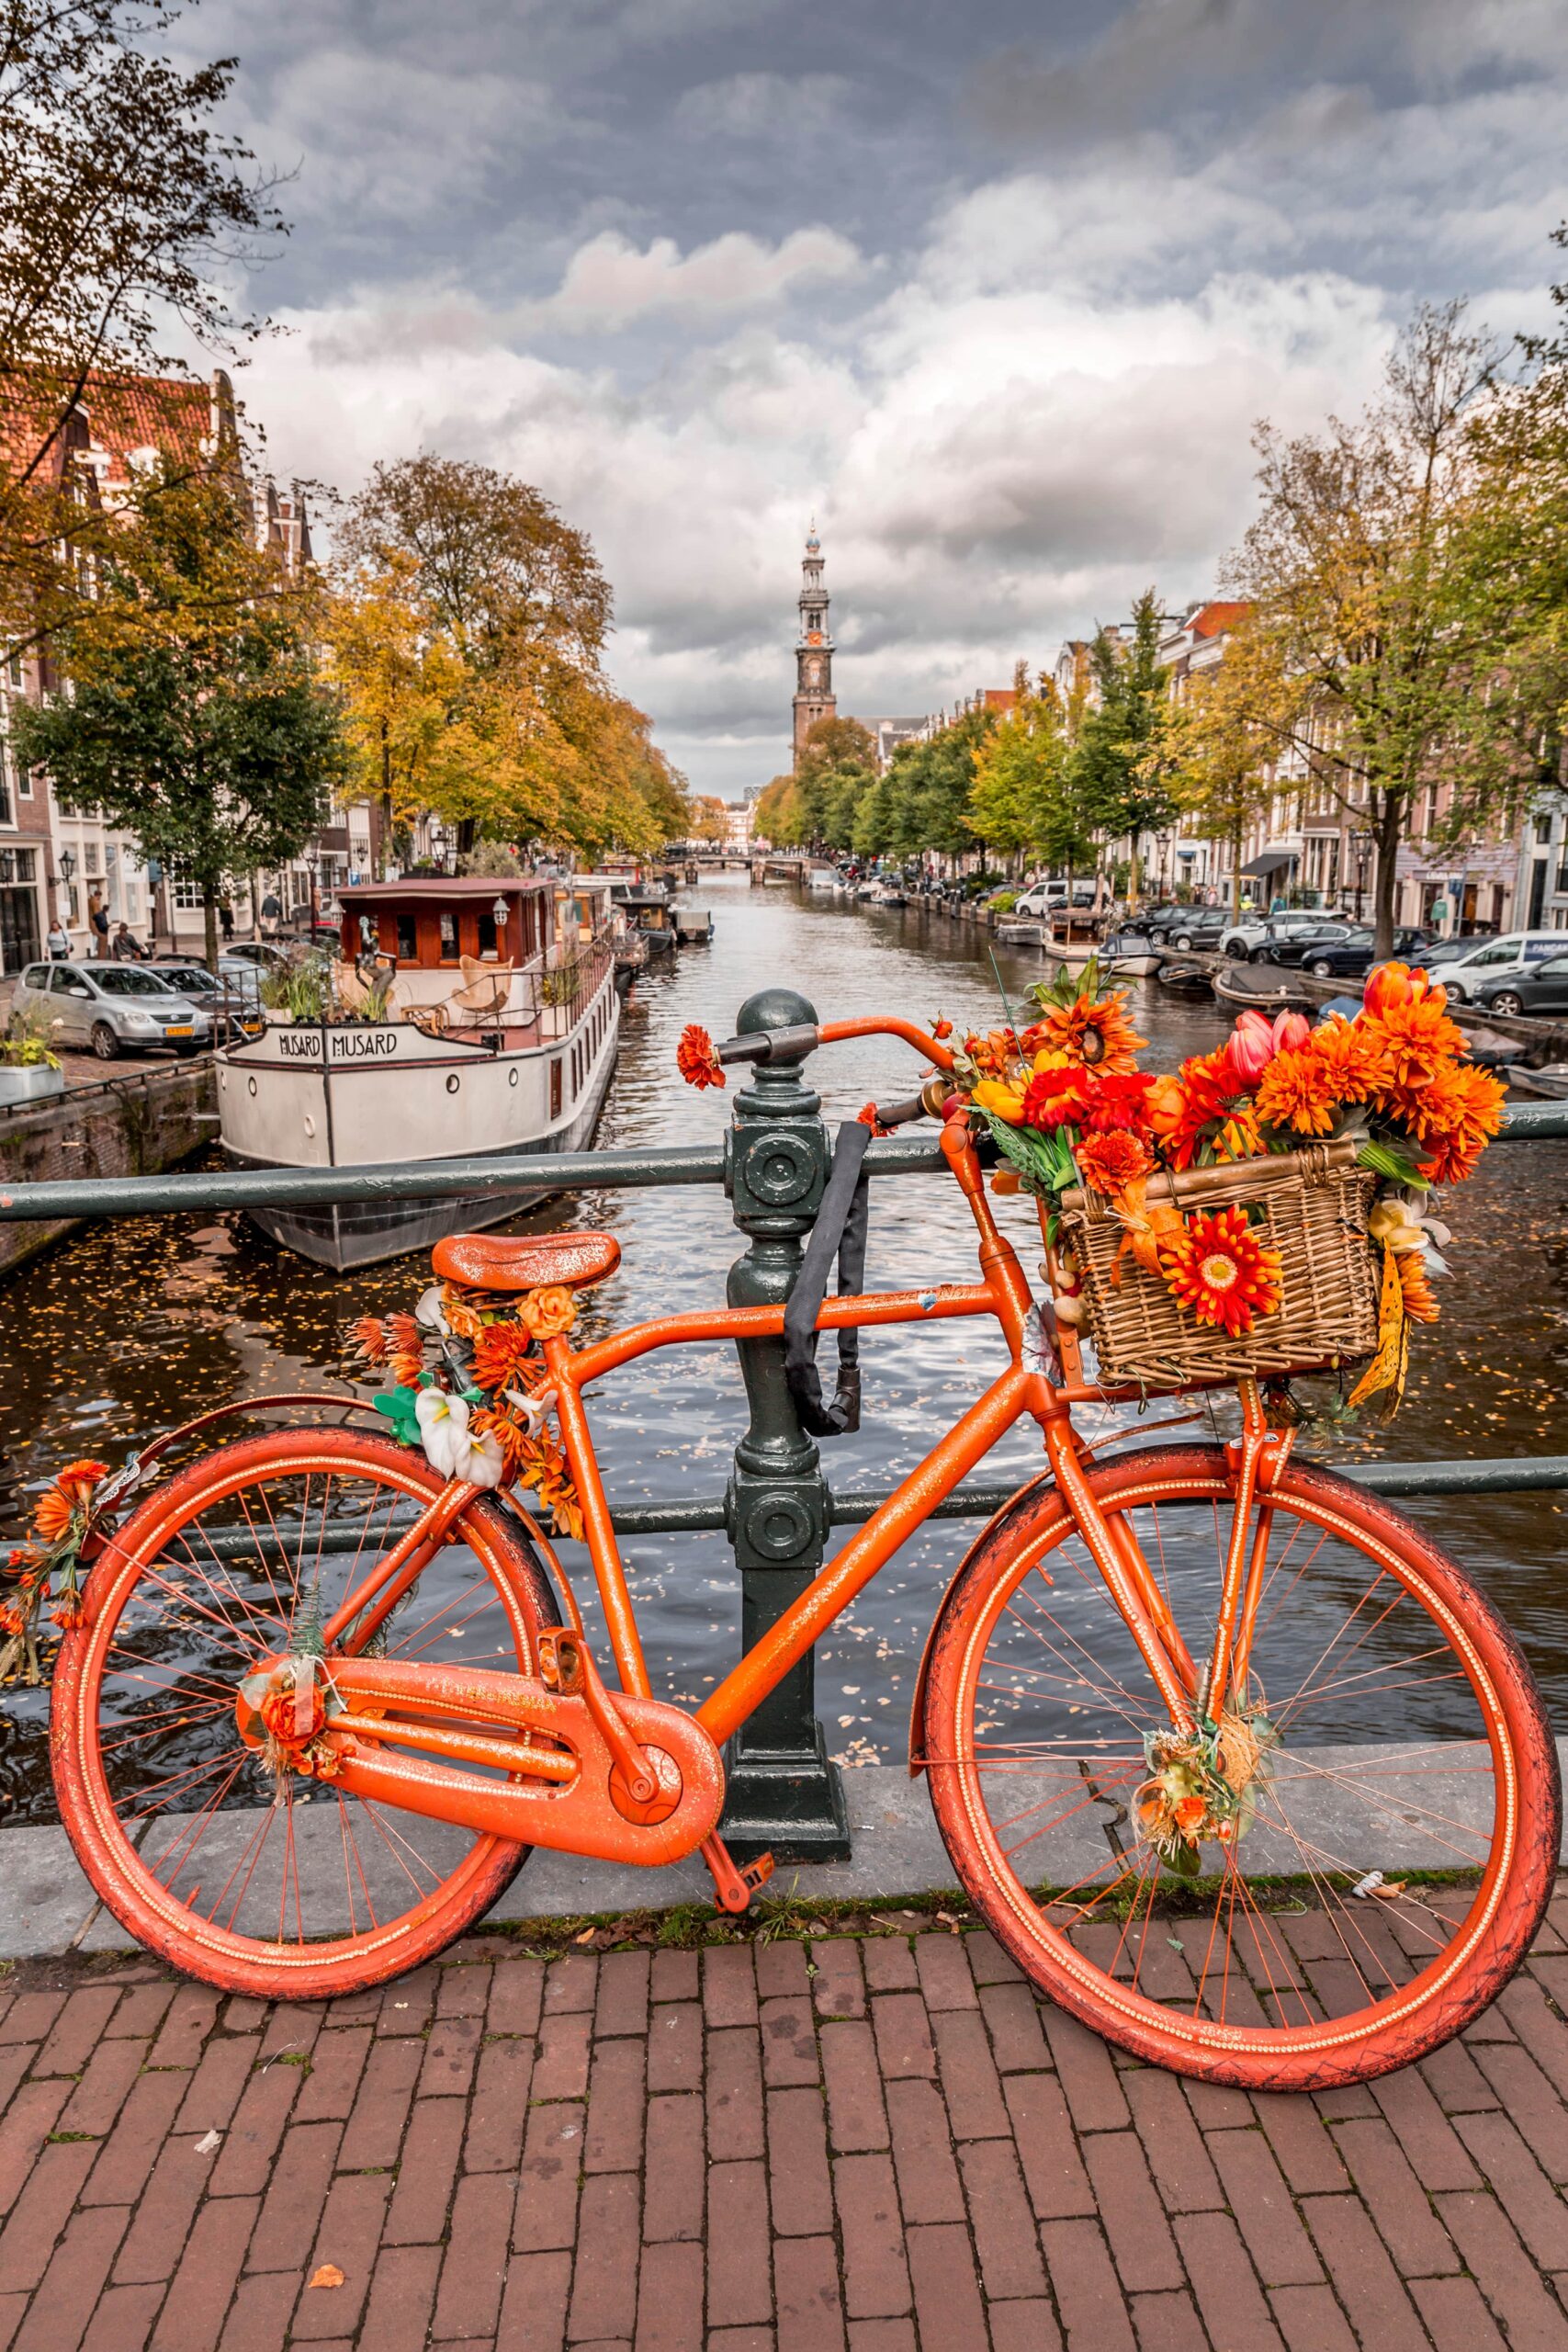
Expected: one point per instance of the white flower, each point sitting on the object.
(536, 1410)
(450, 1445)
(427, 1311)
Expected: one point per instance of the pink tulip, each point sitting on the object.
(1252, 1047)
(1291, 1030)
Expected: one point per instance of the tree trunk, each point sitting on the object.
(1132, 878)
(386, 827)
(209, 926)
(1388, 829)
(1235, 871)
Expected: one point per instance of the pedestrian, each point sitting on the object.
(99, 921)
(226, 917)
(272, 915)
(124, 948)
(58, 942)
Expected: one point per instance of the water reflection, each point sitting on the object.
(128, 1328)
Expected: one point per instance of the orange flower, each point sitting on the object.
(696, 1058)
(11, 1619)
(404, 1336)
(868, 1119)
(502, 1353)
(1093, 1033)
(1297, 1090)
(1419, 1303)
(68, 1612)
(991, 1054)
(1111, 1162)
(1351, 1054)
(465, 1320)
(370, 1340)
(1459, 1115)
(549, 1312)
(72, 1492)
(1415, 1041)
(1392, 987)
(486, 1421)
(1053, 1098)
(404, 1368)
(1221, 1272)
(1206, 1104)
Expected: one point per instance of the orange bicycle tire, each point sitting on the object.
(291, 1968)
(1444, 1994)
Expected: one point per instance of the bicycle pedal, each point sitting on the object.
(734, 1883)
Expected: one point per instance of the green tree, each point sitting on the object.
(930, 785)
(122, 212)
(837, 764)
(1022, 802)
(780, 818)
(1223, 741)
(1121, 769)
(195, 717)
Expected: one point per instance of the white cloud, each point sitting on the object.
(610, 283)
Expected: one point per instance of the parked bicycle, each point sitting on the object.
(323, 1699)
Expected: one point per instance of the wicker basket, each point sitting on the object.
(1311, 1206)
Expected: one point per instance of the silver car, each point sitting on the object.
(110, 1007)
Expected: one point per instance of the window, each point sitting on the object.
(486, 937)
(19, 865)
(448, 938)
(187, 889)
(8, 815)
(408, 940)
(555, 1088)
(91, 861)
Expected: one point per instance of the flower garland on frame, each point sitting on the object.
(466, 1386)
(1068, 1105)
(46, 1568)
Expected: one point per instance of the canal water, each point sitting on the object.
(129, 1327)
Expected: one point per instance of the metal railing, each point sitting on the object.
(772, 1163)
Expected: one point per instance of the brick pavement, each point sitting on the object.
(873, 2144)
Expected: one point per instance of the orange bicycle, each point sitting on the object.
(323, 1700)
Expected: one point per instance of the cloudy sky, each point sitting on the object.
(997, 291)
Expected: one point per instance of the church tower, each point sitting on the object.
(814, 649)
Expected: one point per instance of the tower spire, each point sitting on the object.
(814, 698)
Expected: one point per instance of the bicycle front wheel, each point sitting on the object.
(1372, 1828)
(285, 1888)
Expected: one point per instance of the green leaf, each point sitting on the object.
(1387, 1159)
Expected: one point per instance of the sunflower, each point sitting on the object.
(549, 1313)
(503, 1352)
(1093, 1033)
(1297, 1090)
(1221, 1272)
(1055, 1098)
(1111, 1162)
(1419, 1303)
(696, 1058)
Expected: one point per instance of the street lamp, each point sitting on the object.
(1362, 845)
(67, 868)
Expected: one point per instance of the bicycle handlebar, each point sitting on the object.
(793, 1044)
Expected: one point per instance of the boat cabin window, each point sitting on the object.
(448, 938)
(408, 940)
(486, 937)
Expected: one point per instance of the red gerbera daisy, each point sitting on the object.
(1221, 1272)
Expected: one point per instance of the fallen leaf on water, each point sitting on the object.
(329, 2275)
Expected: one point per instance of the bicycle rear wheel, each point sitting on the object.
(1390, 1726)
(286, 1889)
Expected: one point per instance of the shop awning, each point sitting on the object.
(1270, 862)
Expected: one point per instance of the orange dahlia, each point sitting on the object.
(549, 1312)
(696, 1058)
(1419, 1303)
(1459, 1113)
(1297, 1090)
(1111, 1162)
(1352, 1053)
(503, 1352)
(1414, 1040)
(1205, 1103)
(1094, 1034)
(1220, 1271)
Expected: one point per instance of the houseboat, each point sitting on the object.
(464, 1019)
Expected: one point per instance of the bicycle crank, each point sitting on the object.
(646, 1786)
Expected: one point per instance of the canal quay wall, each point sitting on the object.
(136, 1125)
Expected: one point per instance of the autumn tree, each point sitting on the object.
(123, 211)
(708, 821)
(837, 765)
(1378, 647)
(195, 718)
(1224, 739)
(780, 819)
(398, 678)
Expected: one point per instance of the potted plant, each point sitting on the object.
(29, 1072)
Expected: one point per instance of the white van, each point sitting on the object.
(1488, 959)
(1045, 898)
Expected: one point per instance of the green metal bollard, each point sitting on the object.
(783, 1794)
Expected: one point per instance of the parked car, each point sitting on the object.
(1353, 955)
(1535, 988)
(1045, 898)
(1199, 927)
(268, 955)
(1243, 937)
(111, 1006)
(1494, 959)
(232, 996)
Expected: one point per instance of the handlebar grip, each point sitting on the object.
(789, 1045)
(898, 1114)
